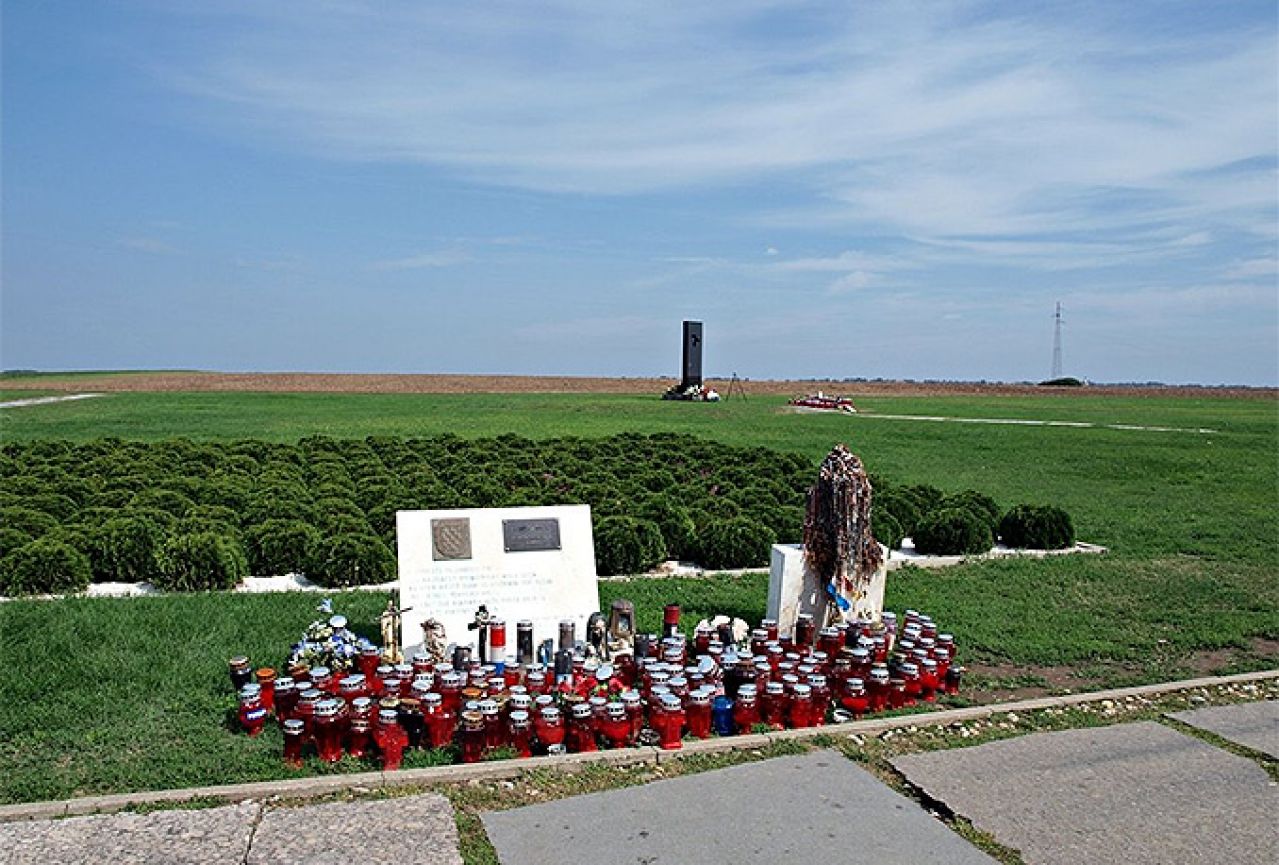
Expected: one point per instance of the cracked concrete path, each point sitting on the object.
(398, 831)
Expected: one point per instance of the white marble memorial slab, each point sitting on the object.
(794, 589)
(533, 563)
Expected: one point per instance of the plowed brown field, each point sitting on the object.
(292, 382)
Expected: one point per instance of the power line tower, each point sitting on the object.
(1057, 342)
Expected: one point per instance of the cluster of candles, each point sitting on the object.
(670, 685)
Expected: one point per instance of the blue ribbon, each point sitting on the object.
(840, 600)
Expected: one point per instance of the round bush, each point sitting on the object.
(352, 560)
(200, 562)
(902, 508)
(130, 549)
(950, 531)
(33, 522)
(626, 545)
(44, 566)
(679, 532)
(979, 503)
(279, 547)
(887, 530)
(735, 543)
(12, 539)
(1037, 527)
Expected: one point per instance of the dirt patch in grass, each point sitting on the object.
(295, 382)
(999, 683)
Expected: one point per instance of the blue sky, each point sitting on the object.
(836, 189)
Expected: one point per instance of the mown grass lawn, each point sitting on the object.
(112, 695)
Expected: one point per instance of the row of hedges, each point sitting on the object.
(201, 515)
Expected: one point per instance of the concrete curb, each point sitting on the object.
(302, 788)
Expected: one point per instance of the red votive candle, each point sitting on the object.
(328, 735)
(670, 620)
(581, 731)
(294, 733)
(521, 732)
(549, 727)
(252, 712)
(616, 727)
(698, 712)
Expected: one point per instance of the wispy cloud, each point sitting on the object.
(938, 120)
(149, 245)
(424, 261)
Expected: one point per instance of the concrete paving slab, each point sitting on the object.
(818, 807)
(178, 837)
(1253, 725)
(1134, 793)
(396, 831)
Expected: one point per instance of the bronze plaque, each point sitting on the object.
(451, 539)
(524, 536)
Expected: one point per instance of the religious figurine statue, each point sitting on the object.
(434, 640)
(838, 545)
(481, 624)
(597, 637)
(621, 628)
(390, 622)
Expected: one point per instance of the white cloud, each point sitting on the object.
(424, 261)
(937, 120)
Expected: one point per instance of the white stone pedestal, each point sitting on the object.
(793, 589)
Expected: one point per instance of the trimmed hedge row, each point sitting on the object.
(326, 507)
(200, 515)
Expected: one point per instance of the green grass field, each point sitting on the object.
(110, 695)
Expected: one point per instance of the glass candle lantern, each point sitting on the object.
(805, 630)
(773, 705)
(697, 709)
(877, 687)
(300, 673)
(549, 727)
(294, 734)
(770, 625)
(953, 676)
(266, 681)
(633, 702)
(581, 731)
(928, 682)
(494, 727)
(369, 659)
(821, 698)
(670, 620)
(472, 735)
(911, 684)
(746, 709)
(855, 698)
(722, 716)
(801, 706)
(352, 686)
(451, 690)
(391, 740)
(412, 720)
(615, 728)
(669, 723)
(521, 732)
(359, 737)
(322, 678)
(441, 722)
(286, 698)
(241, 672)
(896, 691)
(252, 712)
(829, 641)
(422, 663)
(328, 734)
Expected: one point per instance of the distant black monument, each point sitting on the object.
(692, 355)
(690, 384)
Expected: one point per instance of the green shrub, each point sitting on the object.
(352, 560)
(951, 531)
(45, 566)
(130, 549)
(887, 530)
(169, 501)
(34, 523)
(200, 562)
(901, 508)
(1037, 527)
(735, 543)
(279, 547)
(12, 539)
(60, 507)
(627, 545)
(925, 496)
(979, 503)
(679, 532)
